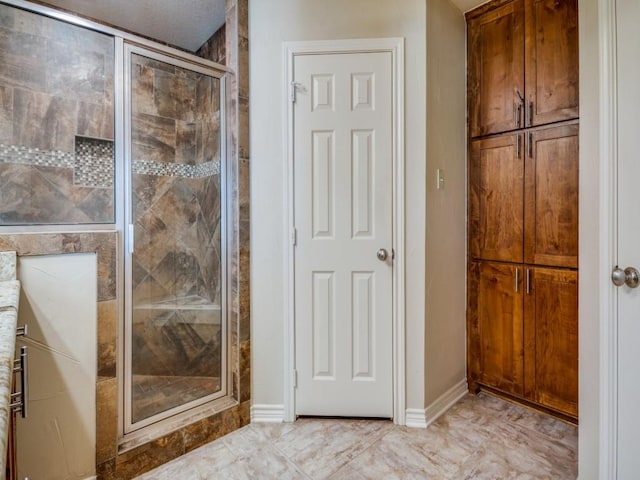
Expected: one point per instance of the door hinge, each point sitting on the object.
(294, 378)
(293, 91)
(294, 237)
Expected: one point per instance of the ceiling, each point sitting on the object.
(466, 5)
(184, 23)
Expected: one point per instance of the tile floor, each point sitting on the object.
(481, 437)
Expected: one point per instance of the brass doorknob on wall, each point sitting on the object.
(629, 277)
(382, 254)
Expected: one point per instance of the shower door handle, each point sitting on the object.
(131, 235)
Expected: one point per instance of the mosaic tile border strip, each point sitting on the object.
(93, 163)
(165, 169)
(34, 156)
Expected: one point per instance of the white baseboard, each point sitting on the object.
(415, 418)
(423, 417)
(267, 413)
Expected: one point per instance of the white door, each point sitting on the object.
(628, 45)
(343, 217)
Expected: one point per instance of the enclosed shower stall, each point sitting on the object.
(101, 131)
(177, 289)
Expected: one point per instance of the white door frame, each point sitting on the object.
(608, 314)
(290, 50)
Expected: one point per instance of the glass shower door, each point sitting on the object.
(175, 340)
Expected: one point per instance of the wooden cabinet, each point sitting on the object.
(551, 339)
(522, 316)
(523, 333)
(522, 64)
(495, 79)
(551, 61)
(499, 321)
(496, 199)
(551, 197)
(523, 197)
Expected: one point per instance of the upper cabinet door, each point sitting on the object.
(496, 198)
(496, 70)
(551, 193)
(551, 59)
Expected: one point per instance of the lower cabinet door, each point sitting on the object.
(551, 338)
(500, 326)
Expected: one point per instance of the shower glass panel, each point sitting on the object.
(176, 336)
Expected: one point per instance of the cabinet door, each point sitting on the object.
(551, 61)
(496, 69)
(551, 193)
(496, 198)
(551, 338)
(500, 327)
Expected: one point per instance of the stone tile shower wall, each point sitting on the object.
(215, 48)
(56, 121)
(115, 458)
(177, 336)
(175, 183)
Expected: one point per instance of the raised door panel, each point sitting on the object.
(500, 317)
(551, 192)
(551, 61)
(551, 339)
(496, 69)
(343, 143)
(496, 199)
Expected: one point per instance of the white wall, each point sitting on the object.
(277, 21)
(445, 298)
(271, 23)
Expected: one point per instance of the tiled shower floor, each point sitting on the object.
(151, 391)
(481, 437)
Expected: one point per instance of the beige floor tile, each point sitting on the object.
(270, 432)
(348, 472)
(321, 447)
(481, 437)
(397, 456)
(514, 453)
(263, 463)
(542, 424)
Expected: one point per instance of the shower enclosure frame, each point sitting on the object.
(131, 49)
(128, 438)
